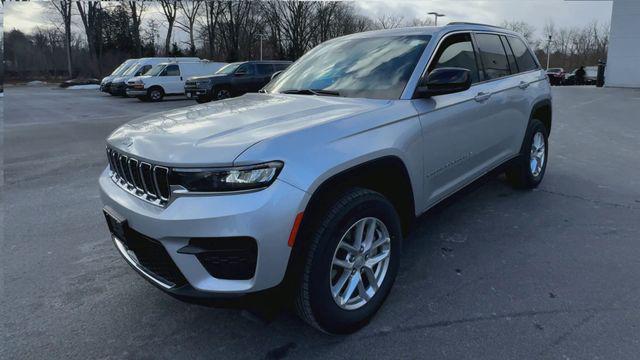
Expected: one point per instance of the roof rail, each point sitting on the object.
(472, 23)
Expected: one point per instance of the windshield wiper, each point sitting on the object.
(311, 92)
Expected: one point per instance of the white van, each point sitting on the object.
(105, 84)
(168, 79)
(140, 67)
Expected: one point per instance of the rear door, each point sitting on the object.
(263, 75)
(503, 96)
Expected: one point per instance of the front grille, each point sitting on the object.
(153, 257)
(144, 180)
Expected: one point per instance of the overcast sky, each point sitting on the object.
(28, 15)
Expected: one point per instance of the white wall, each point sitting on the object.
(623, 59)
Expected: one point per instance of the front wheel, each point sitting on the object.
(351, 262)
(155, 94)
(221, 93)
(529, 168)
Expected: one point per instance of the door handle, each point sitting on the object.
(482, 96)
(523, 85)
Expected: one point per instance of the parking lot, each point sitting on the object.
(494, 273)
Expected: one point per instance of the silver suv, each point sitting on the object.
(311, 184)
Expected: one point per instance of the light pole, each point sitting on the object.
(261, 37)
(548, 51)
(436, 15)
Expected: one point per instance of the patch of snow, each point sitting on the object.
(36, 83)
(84, 87)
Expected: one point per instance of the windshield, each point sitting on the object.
(228, 69)
(156, 70)
(132, 69)
(122, 68)
(376, 68)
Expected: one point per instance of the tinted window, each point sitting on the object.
(512, 59)
(457, 51)
(493, 56)
(523, 55)
(245, 68)
(364, 67)
(264, 69)
(172, 70)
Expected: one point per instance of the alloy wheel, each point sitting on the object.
(360, 263)
(537, 154)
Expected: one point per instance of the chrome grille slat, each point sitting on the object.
(144, 180)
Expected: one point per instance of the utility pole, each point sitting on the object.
(548, 51)
(436, 15)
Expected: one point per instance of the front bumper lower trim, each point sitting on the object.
(136, 266)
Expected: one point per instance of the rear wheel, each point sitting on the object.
(529, 168)
(351, 262)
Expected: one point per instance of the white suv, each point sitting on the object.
(312, 184)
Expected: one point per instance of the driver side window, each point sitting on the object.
(171, 70)
(457, 51)
(246, 69)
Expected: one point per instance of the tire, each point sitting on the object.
(314, 301)
(221, 93)
(155, 94)
(202, 100)
(526, 172)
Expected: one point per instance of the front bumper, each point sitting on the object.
(105, 87)
(135, 92)
(196, 92)
(118, 89)
(266, 216)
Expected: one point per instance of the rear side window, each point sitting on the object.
(264, 69)
(172, 70)
(524, 58)
(281, 66)
(512, 59)
(457, 51)
(494, 58)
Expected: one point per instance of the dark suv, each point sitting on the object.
(233, 80)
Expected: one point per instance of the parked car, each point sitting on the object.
(233, 80)
(310, 185)
(119, 84)
(556, 76)
(105, 84)
(168, 79)
(590, 77)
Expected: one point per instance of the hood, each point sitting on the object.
(136, 78)
(106, 79)
(214, 134)
(210, 77)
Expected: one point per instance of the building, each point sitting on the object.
(623, 59)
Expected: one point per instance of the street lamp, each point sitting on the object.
(548, 51)
(261, 36)
(436, 15)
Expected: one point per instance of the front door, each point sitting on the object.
(172, 79)
(456, 127)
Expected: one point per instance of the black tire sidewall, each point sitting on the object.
(150, 97)
(327, 313)
(535, 127)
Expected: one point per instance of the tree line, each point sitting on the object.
(90, 38)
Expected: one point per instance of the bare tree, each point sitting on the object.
(387, 21)
(295, 24)
(522, 28)
(213, 13)
(136, 8)
(170, 10)
(64, 9)
(190, 11)
(90, 15)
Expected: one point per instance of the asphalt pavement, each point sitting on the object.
(494, 273)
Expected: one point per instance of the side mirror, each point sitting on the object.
(444, 81)
(276, 74)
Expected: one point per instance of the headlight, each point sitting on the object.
(227, 179)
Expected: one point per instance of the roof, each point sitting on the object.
(430, 30)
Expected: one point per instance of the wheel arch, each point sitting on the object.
(542, 110)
